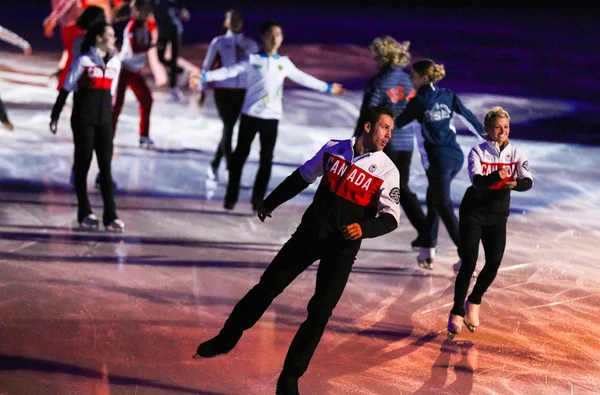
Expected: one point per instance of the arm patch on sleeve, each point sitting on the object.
(395, 195)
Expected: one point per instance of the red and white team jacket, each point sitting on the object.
(94, 83)
(227, 50)
(486, 194)
(138, 38)
(354, 189)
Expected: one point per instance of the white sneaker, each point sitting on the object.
(472, 316)
(454, 325)
(90, 221)
(426, 258)
(116, 226)
(457, 266)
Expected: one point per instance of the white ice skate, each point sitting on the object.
(146, 142)
(454, 325)
(90, 221)
(472, 316)
(426, 257)
(213, 173)
(457, 266)
(116, 226)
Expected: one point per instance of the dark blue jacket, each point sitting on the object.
(434, 108)
(391, 88)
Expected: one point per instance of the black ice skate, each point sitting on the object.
(216, 346)
(426, 257)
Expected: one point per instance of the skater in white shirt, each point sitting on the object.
(226, 50)
(262, 108)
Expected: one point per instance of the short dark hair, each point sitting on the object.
(267, 25)
(97, 29)
(374, 113)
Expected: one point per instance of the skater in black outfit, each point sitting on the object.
(359, 182)
(168, 15)
(496, 167)
(226, 50)
(93, 77)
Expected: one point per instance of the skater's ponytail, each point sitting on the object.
(90, 36)
(391, 51)
(427, 67)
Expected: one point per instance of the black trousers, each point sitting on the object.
(229, 103)
(267, 130)
(3, 115)
(408, 200)
(337, 257)
(89, 138)
(490, 229)
(168, 35)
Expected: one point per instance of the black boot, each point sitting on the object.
(216, 346)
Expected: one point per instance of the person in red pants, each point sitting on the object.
(139, 36)
(65, 13)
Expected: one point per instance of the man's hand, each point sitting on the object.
(337, 89)
(53, 126)
(263, 213)
(27, 50)
(194, 81)
(352, 232)
(184, 14)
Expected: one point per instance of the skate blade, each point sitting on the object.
(197, 356)
(111, 229)
(451, 335)
(89, 227)
(425, 265)
(149, 147)
(470, 327)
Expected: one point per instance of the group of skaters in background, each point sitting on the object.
(365, 179)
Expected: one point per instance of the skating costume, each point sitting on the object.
(361, 189)
(170, 30)
(137, 40)
(392, 88)
(261, 112)
(441, 154)
(227, 50)
(66, 12)
(94, 81)
(483, 214)
(14, 39)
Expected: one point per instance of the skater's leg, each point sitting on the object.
(83, 138)
(248, 128)
(332, 277)
(175, 39)
(470, 226)
(144, 95)
(493, 239)
(293, 258)
(124, 78)
(103, 146)
(408, 200)
(229, 105)
(268, 137)
(3, 114)
(439, 185)
(432, 221)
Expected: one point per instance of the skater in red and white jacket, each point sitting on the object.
(139, 36)
(358, 197)
(496, 167)
(93, 77)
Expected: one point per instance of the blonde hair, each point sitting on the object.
(427, 67)
(391, 51)
(495, 112)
